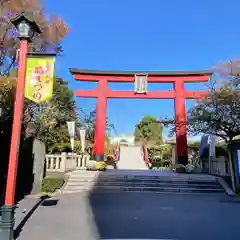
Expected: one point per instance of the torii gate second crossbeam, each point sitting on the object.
(103, 92)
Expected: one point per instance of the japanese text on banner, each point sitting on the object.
(39, 78)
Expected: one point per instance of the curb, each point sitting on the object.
(225, 186)
(19, 226)
(60, 191)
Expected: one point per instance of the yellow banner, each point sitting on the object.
(39, 78)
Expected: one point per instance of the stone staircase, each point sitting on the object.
(142, 181)
(131, 158)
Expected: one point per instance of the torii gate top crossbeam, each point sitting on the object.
(129, 76)
(103, 77)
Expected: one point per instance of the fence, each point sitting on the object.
(217, 166)
(65, 162)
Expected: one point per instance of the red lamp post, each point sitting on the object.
(26, 29)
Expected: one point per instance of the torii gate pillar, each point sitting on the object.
(100, 128)
(180, 123)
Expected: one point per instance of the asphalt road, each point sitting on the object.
(134, 215)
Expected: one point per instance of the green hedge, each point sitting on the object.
(52, 184)
(96, 166)
(110, 160)
(176, 166)
(238, 190)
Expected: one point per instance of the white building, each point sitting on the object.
(123, 139)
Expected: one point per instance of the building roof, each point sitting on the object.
(132, 73)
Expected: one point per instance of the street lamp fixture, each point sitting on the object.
(26, 29)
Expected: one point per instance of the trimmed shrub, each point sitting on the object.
(177, 166)
(101, 166)
(91, 165)
(157, 161)
(110, 160)
(153, 151)
(96, 166)
(157, 158)
(238, 190)
(50, 185)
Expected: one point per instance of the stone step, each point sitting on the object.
(156, 192)
(83, 174)
(141, 180)
(167, 175)
(184, 177)
(145, 173)
(126, 175)
(142, 189)
(145, 184)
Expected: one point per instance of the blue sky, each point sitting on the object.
(145, 35)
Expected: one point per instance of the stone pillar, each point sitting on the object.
(39, 153)
(63, 162)
(173, 153)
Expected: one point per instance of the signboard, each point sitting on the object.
(141, 83)
(39, 78)
(71, 132)
(82, 132)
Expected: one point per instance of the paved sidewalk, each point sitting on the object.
(24, 207)
(134, 215)
(59, 218)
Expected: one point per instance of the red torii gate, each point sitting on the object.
(103, 92)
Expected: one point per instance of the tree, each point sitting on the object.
(53, 29)
(218, 112)
(89, 121)
(166, 152)
(7, 95)
(149, 130)
(53, 115)
(46, 121)
(193, 152)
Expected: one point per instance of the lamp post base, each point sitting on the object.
(7, 223)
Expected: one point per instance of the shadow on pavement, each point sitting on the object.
(149, 215)
(124, 215)
(50, 202)
(20, 226)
